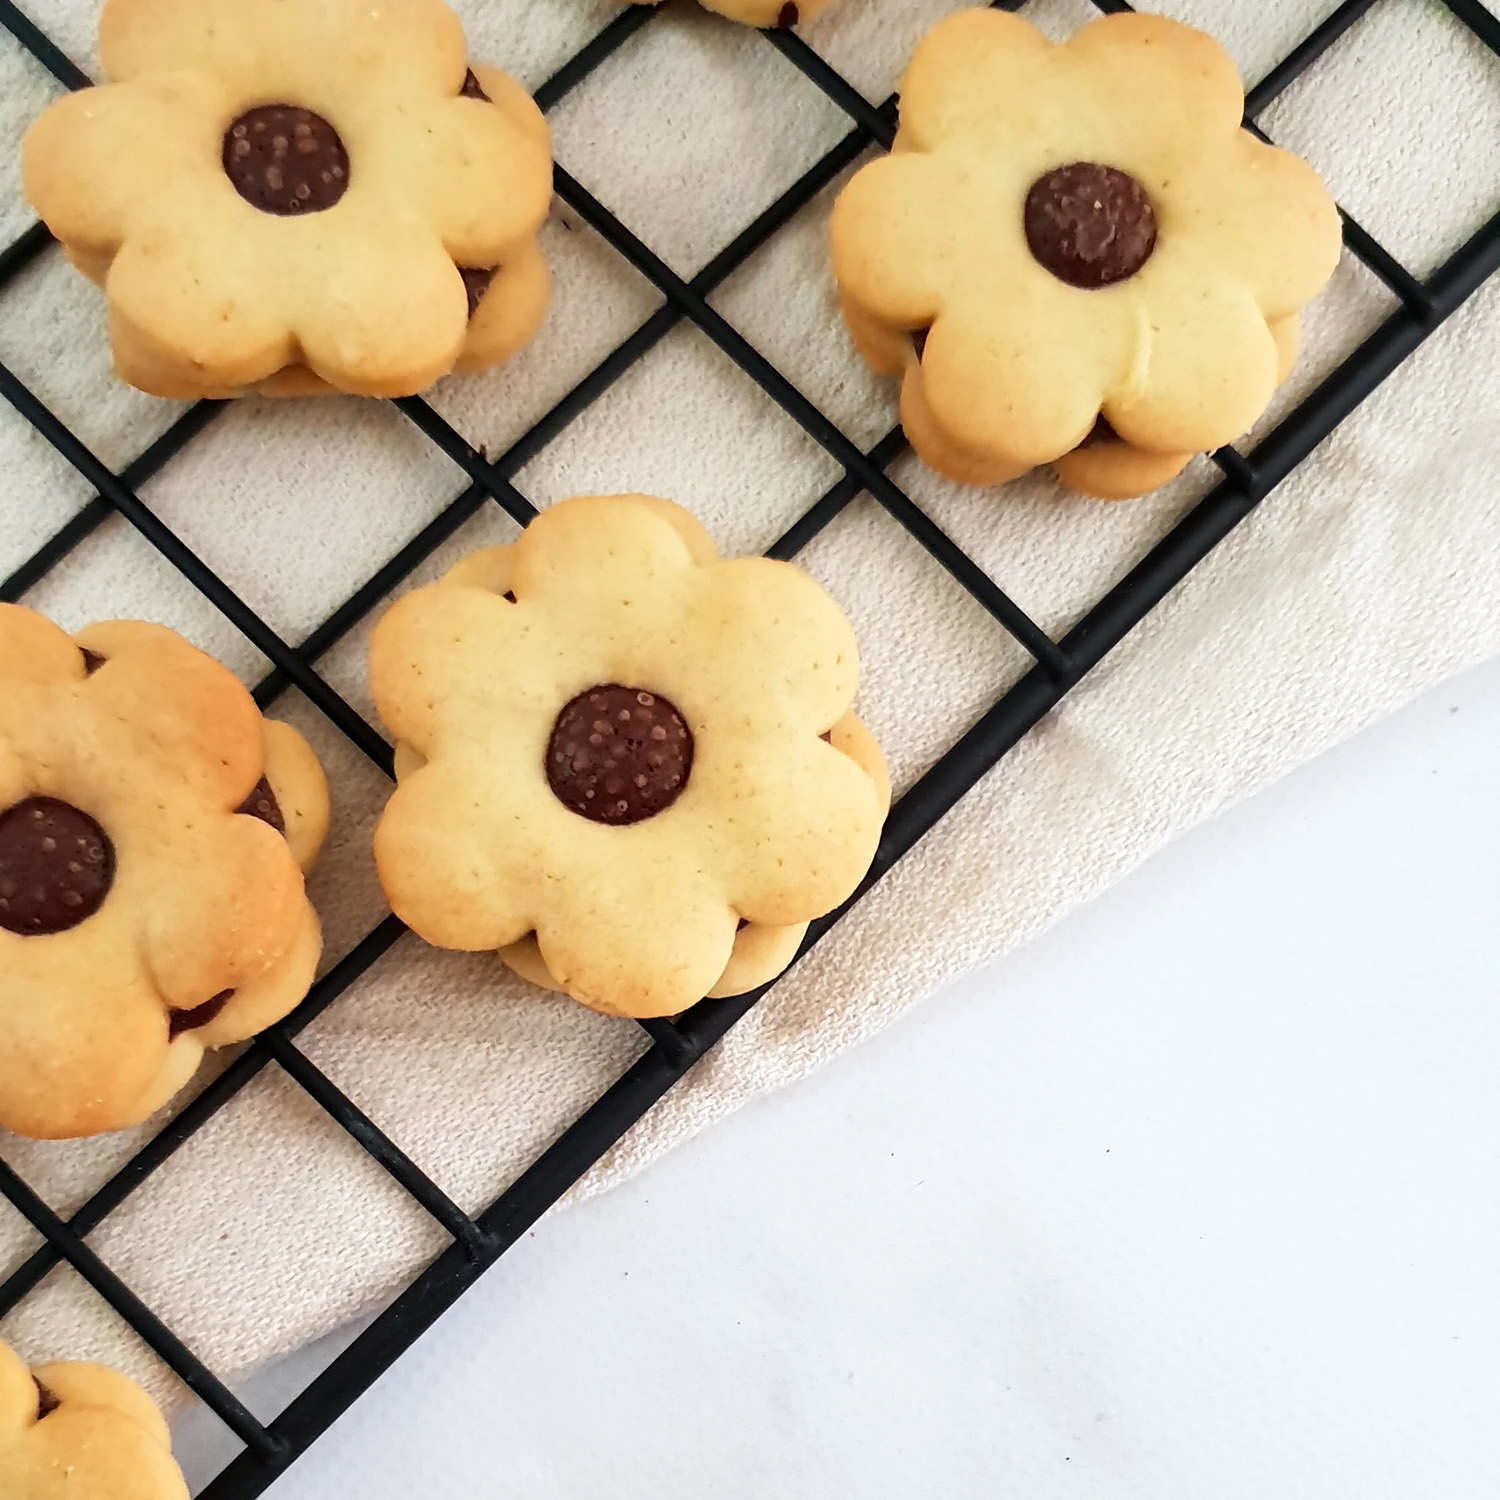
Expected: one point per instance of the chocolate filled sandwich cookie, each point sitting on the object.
(625, 764)
(154, 830)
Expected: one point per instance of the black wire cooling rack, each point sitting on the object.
(1056, 666)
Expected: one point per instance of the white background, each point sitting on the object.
(1195, 1197)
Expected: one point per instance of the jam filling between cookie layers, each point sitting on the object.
(1089, 225)
(618, 754)
(286, 160)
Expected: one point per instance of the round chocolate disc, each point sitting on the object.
(286, 160)
(1090, 225)
(56, 867)
(619, 754)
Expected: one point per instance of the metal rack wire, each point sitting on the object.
(1056, 666)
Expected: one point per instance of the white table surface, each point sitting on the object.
(1196, 1197)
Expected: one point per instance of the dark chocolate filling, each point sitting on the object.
(286, 160)
(46, 1402)
(262, 804)
(473, 88)
(56, 867)
(788, 16)
(619, 754)
(1090, 225)
(199, 1015)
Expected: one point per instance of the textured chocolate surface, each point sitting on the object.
(56, 867)
(1090, 225)
(286, 160)
(619, 754)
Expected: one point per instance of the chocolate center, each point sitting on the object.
(619, 754)
(1100, 432)
(1090, 225)
(199, 1015)
(477, 281)
(788, 15)
(262, 804)
(473, 88)
(92, 661)
(46, 1402)
(286, 160)
(56, 867)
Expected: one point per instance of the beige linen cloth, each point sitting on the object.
(1374, 572)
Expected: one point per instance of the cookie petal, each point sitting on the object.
(174, 706)
(1204, 366)
(1177, 82)
(227, 907)
(33, 649)
(962, 66)
(1019, 378)
(104, 161)
(1227, 203)
(616, 566)
(392, 316)
(485, 185)
(452, 872)
(192, 286)
(450, 654)
(793, 829)
(895, 237)
(649, 944)
(778, 656)
(396, 48)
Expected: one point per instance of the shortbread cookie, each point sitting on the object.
(1076, 231)
(783, 13)
(613, 741)
(153, 835)
(81, 1432)
(761, 951)
(268, 185)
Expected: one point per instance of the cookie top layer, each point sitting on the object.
(143, 871)
(707, 684)
(1081, 228)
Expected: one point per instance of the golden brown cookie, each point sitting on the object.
(1073, 231)
(625, 757)
(266, 185)
(81, 1432)
(153, 834)
(760, 951)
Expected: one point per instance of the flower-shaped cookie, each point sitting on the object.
(1077, 230)
(152, 832)
(762, 12)
(761, 950)
(625, 758)
(81, 1432)
(268, 185)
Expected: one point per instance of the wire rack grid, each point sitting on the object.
(1056, 665)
